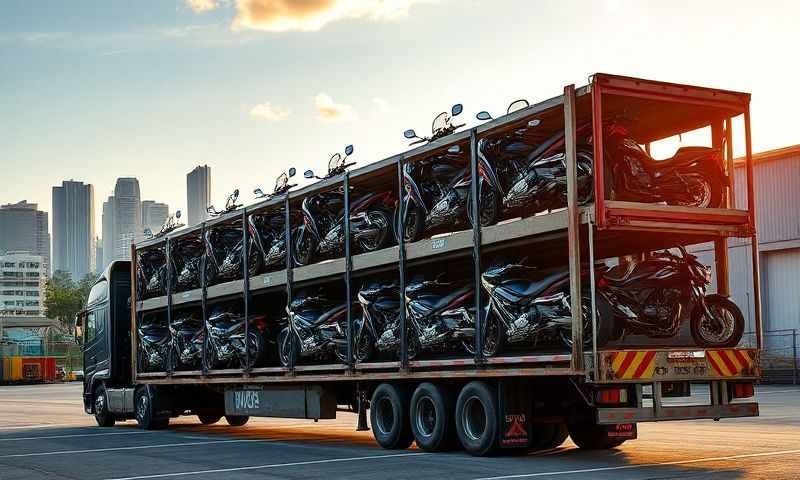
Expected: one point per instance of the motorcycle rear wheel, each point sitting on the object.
(703, 192)
(731, 323)
(414, 225)
(304, 246)
(383, 220)
(605, 322)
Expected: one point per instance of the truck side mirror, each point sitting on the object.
(77, 332)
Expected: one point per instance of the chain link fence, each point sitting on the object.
(779, 357)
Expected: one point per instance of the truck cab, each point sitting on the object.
(103, 330)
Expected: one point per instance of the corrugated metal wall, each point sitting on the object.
(782, 294)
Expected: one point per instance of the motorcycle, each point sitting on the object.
(322, 232)
(225, 344)
(186, 259)
(379, 327)
(693, 177)
(151, 273)
(317, 329)
(440, 317)
(527, 178)
(442, 196)
(188, 338)
(153, 344)
(224, 247)
(651, 298)
(529, 305)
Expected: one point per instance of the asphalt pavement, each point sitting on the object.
(44, 434)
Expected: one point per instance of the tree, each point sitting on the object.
(63, 298)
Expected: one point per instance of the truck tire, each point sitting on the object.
(592, 437)
(388, 414)
(208, 419)
(145, 406)
(476, 418)
(102, 415)
(236, 420)
(548, 435)
(432, 421)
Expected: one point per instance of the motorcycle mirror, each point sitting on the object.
(148, 233)
(258, 192)
(292, 172)
(210, 209)
(454, 149)
(484, 115)
(308, 174)
(534, 123)
(457, 109)
(517, 105)
(177, 214)
(410, 133)
(348, 150)
(236, 194)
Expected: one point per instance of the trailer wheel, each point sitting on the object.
(208, 419)
(145, 406)
(592, 437)
(388, 414)
(236, 420)
(548, 435)
(432, 419)
(102, 415)
(476, 418)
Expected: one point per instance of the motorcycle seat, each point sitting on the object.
(684, 156)
(532, 288)
(443, 301)
(618, 273)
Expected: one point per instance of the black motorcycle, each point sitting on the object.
(317, 329)
(225, 247)
(187, 259)
(441, 317)
(693, 177)
(651, 298)
(528, 176)
(225, 344)
(379, 327)
(322, 231)
(153, 344)
(532, 306)
(151, 273)
(438, 187)
(267, 230)
(188, 339)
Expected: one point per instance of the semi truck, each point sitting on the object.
(592, 387)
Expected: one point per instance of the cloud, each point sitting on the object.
(383, 105)
(312, 15)
(269, 112)
(329, 111)
(202, 6)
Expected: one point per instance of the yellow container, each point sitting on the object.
(12, 369)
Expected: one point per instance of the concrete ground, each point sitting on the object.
(45, 434)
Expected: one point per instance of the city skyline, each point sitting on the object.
(73, 228)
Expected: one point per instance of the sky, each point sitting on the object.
(93, 90)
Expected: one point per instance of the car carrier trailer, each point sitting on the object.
(530, 400)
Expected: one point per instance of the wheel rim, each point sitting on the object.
(141, 407)
(381, 223)
(723, 330)
(410, 227)
(100, 404)
(302, 250)
(384, 415)
(491, 335)
(362, 348)
(488, 207)
(474, 418)
(285, 348)
(699, 191)
(426, 416)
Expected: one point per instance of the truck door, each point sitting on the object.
(96, 359)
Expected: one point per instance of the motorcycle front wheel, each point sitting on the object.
(489, 206)
(414, 225)
(605, 322)
(288, 348)
(255, 344)
(304, 246)
(724, 329)
(701, 192)
(210, 357)
(494, 334)
(381, 220)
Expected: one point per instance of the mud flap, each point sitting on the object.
(515, 411)
(622, 431)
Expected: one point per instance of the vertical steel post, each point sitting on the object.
(599, 166)
(246, 288)
(593, 293)
(289, 279)
(751, 208)
(134, 312)
(401, 252)
(475, 207)
(168, 254)
(573, 228)
(721, 244)
(348, 270)
(731, 168)
(204, 296)
(794, 355)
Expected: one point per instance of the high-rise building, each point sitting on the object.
(73, 229)
(198, 194)
(108, 233)
(24, 228)
(98, 255)
(127, 217)
(22, 280)
(154, 215)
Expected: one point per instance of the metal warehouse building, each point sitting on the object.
(777, 184)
